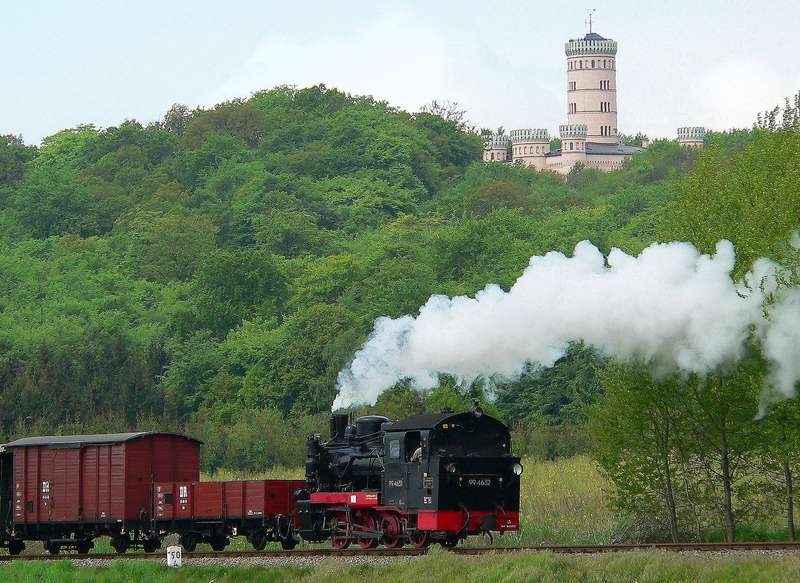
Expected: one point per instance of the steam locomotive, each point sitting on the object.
(426, 478)
(423, 479)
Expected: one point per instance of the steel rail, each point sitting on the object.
(411, 552)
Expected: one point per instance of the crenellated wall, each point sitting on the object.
(529, 147)
(495, 148)
(692, 136)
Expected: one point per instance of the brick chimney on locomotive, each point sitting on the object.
(425, 478)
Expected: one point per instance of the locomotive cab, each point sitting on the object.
(454, 471)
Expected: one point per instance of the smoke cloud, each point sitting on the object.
(672, 307)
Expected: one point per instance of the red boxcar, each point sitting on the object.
(67, 489)
(263, 510)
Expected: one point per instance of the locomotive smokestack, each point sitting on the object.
(338, 425)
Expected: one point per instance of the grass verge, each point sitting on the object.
(642, 567)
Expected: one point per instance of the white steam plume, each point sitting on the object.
(673, 307)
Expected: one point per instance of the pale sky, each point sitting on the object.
(697, 62)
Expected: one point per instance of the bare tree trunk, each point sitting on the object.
(673, 518)
(787, 474)
(692, 506)
(730, 533)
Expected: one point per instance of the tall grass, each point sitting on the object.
(273, 473)
(564, 502)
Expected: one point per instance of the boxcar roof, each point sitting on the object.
(79, 440)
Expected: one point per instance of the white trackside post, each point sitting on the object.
(174, 557)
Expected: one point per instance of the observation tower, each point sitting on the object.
(592, 86)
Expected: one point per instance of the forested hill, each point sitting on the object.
(215, 270)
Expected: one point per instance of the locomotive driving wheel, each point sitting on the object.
(392, 532)
(340, 532)
(367, 522)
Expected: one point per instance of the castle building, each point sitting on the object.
(495, 149)
(692, 137)
(590, 135)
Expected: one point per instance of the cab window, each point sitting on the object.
(413, 444)
(394, 449)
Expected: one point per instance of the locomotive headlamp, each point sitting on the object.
(451, 468)
(517, 469)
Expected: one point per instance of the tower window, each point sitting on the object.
(580, 63)
(592, 63)
(571, 144)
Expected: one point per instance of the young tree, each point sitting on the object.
(634, 429)
(779, 450)
(720, 413)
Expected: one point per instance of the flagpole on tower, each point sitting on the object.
(588, 22)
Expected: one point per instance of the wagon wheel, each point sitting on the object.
(392, 532)
(84, 545)
(189, 542)
(258, 540)
(450, 542)
(340, 540)
(16, 546)
(367, 521)
(121, 542)
(421, 539)
(288, 542)
(218, 543)
(151, 545)
(52, 547)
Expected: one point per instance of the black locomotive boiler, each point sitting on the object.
(423, 479)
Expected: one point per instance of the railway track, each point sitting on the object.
(323, 553)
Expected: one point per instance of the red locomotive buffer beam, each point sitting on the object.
(456, 521)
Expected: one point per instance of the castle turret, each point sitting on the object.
(529, 147)
(573, 138)
(692, 137)
(495, 148)
(573, 148)
(592, 86)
